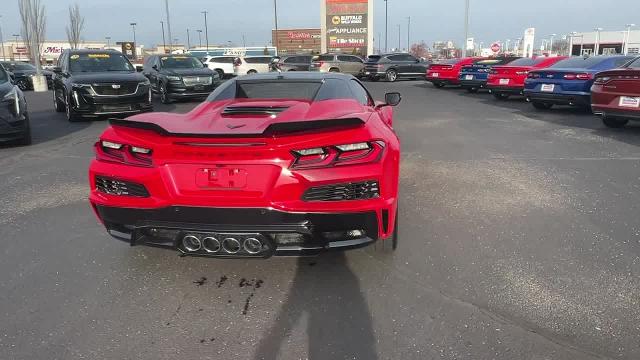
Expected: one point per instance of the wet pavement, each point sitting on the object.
(519, 239)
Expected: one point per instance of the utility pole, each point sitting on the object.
(386, 26)
(408, 33)
(626, 43)
(108, 41)
(244, 42)
(551, 45)
(188, 40)
(399, 40)
(275, 14)
(133, 26)
(164, 42)
(597, 46)
(199, 37)
(166, 5)
(206, 30)
(4, 57)
(466, 26)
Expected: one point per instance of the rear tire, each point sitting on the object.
(71, 114)
(373, 78)
(438, 85)
(390, 244)
(251, 72)
(500, 96)
(614, 123)
(26, 139)
(164, 97)
(541, 105)
(392, 75)
(23, 84)
(220, 73)
(472, 90)
(57, 104)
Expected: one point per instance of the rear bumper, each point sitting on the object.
(578, 99)
(616, 112)
(283, 233)
(441, 80)
(473, 83)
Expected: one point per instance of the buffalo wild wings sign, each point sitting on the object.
(345, 26)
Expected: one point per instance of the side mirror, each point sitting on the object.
(392, 98)
(57, 69)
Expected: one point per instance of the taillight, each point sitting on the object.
(123, 153)
(237, 62)
(522, 72)
(533, 75)
(602, 80)
(582, 76)
(493, 72)
(318, 63)
(338, 155)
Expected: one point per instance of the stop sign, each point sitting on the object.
(495, 47)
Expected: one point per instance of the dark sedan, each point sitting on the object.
(14, 118)
(23, 72)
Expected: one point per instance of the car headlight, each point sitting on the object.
(145, 82)
(80, 85)
(13, 99)
(174, 78)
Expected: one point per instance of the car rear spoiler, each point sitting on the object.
(275, 129)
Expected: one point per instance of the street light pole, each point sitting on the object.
(188, 40)
(408, 33)
(133, 26)
(466, 27)
(199, 37)
(164, 42)
(275, 15)
(626, 43)
(4, 57)
(206, 30)
(551, 46)
(166, 6)
(108, 41)
(597, 45)
(386, 26)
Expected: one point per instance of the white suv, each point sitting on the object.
(251, 65)
(222, 64)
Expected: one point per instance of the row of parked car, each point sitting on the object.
(608, 85)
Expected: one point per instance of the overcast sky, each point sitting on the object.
(431, 20)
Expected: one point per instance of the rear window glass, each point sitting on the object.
(257, 60)
(527, 61)
(373, 58)
(323, 58)
(578, 62)
(277, 90)
(635, 64)
(222, 60)
(334, 89)
(489, 62)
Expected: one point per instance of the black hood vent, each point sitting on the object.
(253, 110)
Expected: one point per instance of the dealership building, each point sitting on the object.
(16, 50)
(607, 42)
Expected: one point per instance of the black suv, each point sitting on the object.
(291, 63)
(394, 66)
(179, 77)
(22, 73)
(91, 83)
(14, 117)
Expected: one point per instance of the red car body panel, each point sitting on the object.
(614, 91)
(205, 160)
(448, 74)
(511, 79)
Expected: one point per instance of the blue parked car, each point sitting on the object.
(474, 77)
(568, 82)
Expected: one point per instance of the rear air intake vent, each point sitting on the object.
(339, 192)
(253, 110)
(120, 188)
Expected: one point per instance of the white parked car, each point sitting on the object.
(251, 64)
(222, 64)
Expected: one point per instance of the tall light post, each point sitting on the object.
(408, 33)
(386, 26)
(108, 38)
(626, 43)
(551, 44)
(466, 27)
(188, 40)
(206, 30)
(199, 37)
(275, 17)
(379, 43)
(164, 41)
(506, 46)
(596, 49)
(133, 26)
(4, 57)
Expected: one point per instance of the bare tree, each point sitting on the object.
(76, 24)
(34, 24)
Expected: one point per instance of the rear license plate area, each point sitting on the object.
(468, 77)
(221, 178)
(504, 81)
(630, 102)
(548, 87)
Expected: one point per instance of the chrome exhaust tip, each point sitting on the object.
(231, 245)
(191, 243)
(211, 244)
(252, 245)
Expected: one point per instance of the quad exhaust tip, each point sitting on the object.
(211, 244)
(252, 245)
(231, 245)
(191, 243)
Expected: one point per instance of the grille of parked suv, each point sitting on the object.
(196, 80)
(253, 110)
(350, 191)
(121, 188)
(115, 89)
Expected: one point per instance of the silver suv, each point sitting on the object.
(348, 64)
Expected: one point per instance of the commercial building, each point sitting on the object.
(346, 26)
(606, 42)
(297, 41)
(16, 50)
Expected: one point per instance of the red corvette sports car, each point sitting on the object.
(270, 164)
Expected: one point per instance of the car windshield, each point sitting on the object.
(578, 63)
(180, 62)
(99, 62)
(278, 90)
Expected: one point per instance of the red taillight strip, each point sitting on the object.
(334, 157)
(123, 155)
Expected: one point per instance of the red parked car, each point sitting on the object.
(270, 164)
(615, 95)
(507, 80)
(448, 71)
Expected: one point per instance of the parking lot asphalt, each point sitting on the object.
(519, 239)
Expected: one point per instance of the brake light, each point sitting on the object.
(582, 76)
(602, 80)
(123, 153)
(338, 155)
(237, 62)
(522, 72)
(533, 75)
(318, 63)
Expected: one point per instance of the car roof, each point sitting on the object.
(90, 51)
(296, 75)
